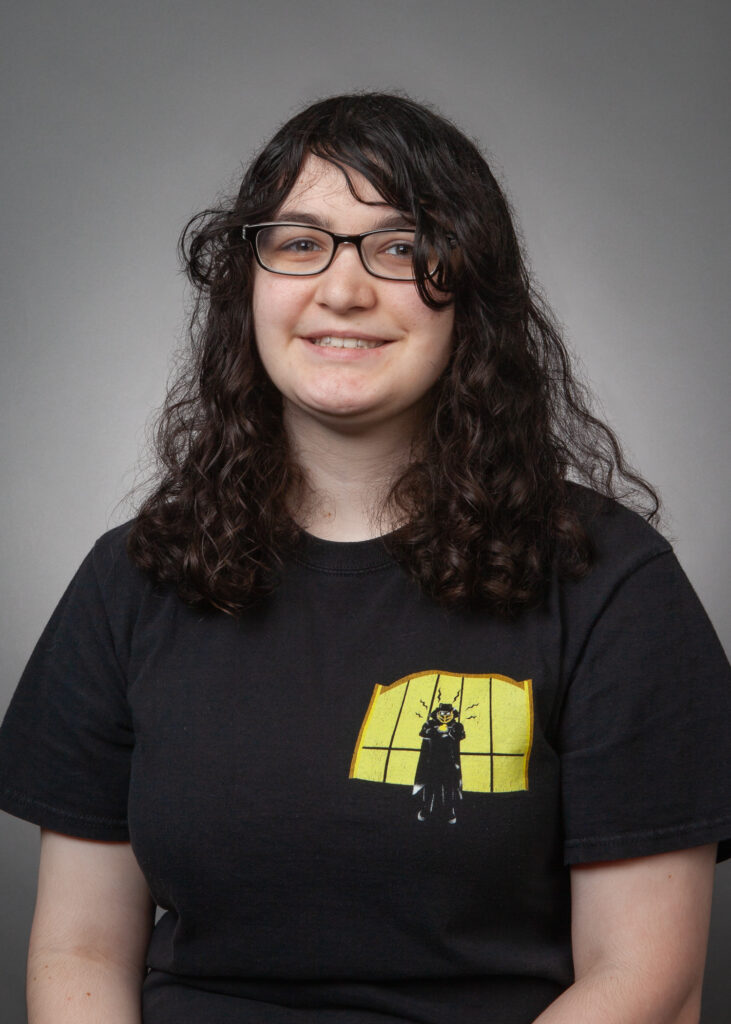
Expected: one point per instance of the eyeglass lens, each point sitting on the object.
(299, 249)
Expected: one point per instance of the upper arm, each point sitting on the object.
(92, 901)
(648, 916)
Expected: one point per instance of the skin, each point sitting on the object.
(639, 934)
(91, 928)
(350, 414)
(639, 927)
(639, 938)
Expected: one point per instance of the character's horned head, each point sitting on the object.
(445, 713)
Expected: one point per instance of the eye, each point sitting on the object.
(400, 248)
(305, 246)
(293, 248)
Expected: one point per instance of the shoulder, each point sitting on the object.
(109, 552)
(624, 547)
(622, 539)
(111, 569)
(113, 543)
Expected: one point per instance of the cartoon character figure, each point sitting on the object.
(438, 778)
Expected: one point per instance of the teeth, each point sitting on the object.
(328, 340)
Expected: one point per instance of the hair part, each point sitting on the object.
(487, 505)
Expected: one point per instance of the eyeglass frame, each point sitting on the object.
(338, 239)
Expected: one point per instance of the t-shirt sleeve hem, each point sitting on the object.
(70, 823)
(649, 842)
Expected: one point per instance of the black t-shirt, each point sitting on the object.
(355, 806)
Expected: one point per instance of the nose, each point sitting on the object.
(346, 284)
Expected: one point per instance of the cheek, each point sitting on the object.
(439, 332)
(433, 325)
(275, 304)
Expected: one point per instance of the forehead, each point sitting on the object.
(321, 185)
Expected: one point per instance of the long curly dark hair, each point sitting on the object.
(487, 505)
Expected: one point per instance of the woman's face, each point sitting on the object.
(346, 389)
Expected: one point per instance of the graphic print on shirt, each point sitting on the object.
(442, 733)
(438, 781)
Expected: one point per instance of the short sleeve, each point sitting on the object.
(646, 724)
(66, 740)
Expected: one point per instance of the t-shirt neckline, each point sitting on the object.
(342, 556)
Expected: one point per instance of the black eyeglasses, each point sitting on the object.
(299, 250)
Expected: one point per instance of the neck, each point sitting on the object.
(348, 477)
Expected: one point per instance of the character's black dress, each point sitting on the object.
(439, 774)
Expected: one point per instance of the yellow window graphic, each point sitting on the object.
(496, 712)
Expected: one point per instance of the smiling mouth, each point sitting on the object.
(328, 341)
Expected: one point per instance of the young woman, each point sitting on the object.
(391, 720)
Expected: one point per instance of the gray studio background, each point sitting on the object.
(607, 120)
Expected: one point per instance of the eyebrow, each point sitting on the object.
(393, 220)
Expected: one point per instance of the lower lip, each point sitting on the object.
(343, 354)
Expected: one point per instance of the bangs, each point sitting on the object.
(419, 163)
